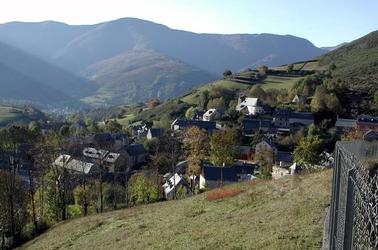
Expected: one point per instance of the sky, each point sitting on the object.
(323, 22)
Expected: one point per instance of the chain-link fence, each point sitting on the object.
(354, 207)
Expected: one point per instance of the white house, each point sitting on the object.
(209, 115)
(253, 105)
(279, 172)
(175, 181)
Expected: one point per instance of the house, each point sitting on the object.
(181, 124)
(285, 118)
(110, 162)
(136, 154)
(344, 125)
(138, 130)
(366, 123)
(253, 105)
(120, 140)
(245, 153)
(209, 115)
(155, 133)
(198, 115)
(102, 140)
(76, 166)
(214, 176)
(279, 172)
(266, 145)
(370, 136)
(173, 183)
(296, 99)
(254, 126)
(284, 159)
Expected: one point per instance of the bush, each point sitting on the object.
(221, 193)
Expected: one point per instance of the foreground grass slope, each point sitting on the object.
(283, 214)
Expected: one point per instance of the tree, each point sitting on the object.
(376, 97)
(13, 209)
(262, 70)
(58, 193)
(222, 145)
(113, 126)
(82, 196)
(257, 91)
(265, 160)
(333, 104)
(216, 103)
(142, 190)
(289, 68)
(352, 135)
(190, 112)
(227, 73)
(318, 103)
(196, 146)
(308, 151)
(204, 99)
(153, 103)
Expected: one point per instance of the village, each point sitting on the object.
(257, 151)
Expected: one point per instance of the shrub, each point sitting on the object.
(221, 193)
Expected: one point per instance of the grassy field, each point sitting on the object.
(192, 98)
(279, 82)
(282, 214)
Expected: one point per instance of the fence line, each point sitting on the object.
(354, 206)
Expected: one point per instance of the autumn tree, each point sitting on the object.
(262, 70)
(196, 146)
(153, 103)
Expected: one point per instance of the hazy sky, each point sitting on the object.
(323, 22)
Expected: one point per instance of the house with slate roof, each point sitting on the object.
(181, 124)
(76, 166)
(136, 154)
(214, 176)
(286, 118)
(255, 126)
(344, 125)
(155, 133)
(109, 161)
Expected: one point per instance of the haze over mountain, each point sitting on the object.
(25, 78)
(127, 56)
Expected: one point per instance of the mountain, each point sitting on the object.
(252, 219)
(187, 59)
(148, 74)
(25, 78)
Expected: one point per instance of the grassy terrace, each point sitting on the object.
(282, 214)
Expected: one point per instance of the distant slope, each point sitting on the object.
(356, 72)
(139, 75)
(26, 78)
(9, 114)
(283, 214)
